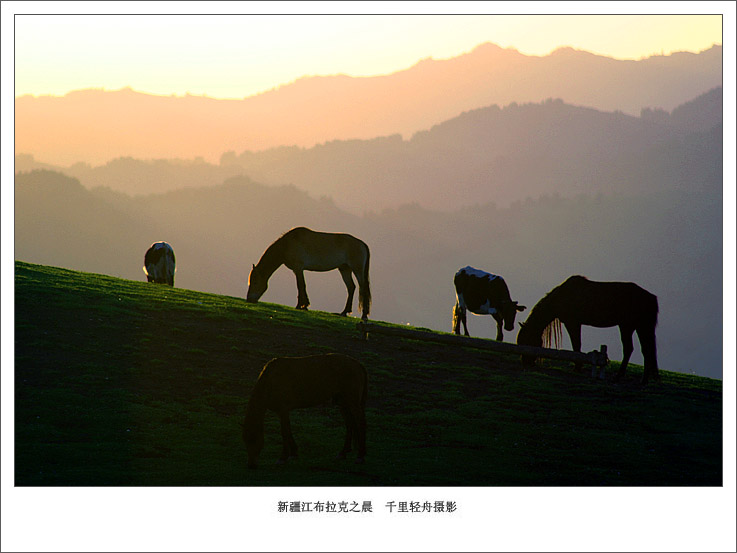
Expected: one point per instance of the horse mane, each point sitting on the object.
(273, 256)
(552, 334)
(544, 314)
(543, 321)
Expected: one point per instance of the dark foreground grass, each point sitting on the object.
(121, 383)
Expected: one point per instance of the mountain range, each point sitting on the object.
(96, 126)
(490, 154)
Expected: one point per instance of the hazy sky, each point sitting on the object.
(227, 56)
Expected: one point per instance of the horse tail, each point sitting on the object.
(364, 293)
(648, 342)
(656, 310)
(553, 334)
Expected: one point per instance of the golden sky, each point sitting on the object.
(233, 56)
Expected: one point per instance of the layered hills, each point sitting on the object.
(492, 154)
(95, 126)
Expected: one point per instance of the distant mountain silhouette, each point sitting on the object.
(95, 126)
(700, 114)
(59, 222)
(490, 154)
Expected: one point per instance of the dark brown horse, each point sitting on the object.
(579, 301)
(302, 249)
(288, 383)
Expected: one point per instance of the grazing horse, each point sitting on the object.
(579, 301)
(302, 249)
(288, 383)
(159, 263)
(482, 293)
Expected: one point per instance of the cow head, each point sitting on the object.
(257, 285)
(509, 312)
(152, 273)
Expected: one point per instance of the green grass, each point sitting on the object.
(127, 383)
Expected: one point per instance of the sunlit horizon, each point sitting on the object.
(234, 57)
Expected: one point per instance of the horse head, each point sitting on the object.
(257, 285)
(526, 336)
(509, 312)
(254, 440)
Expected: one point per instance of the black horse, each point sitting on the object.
(288, 383)
(579, 301)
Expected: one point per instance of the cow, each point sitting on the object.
(482, 293)
(159, 263)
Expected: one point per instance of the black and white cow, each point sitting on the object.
(159, 263)
(482, 293)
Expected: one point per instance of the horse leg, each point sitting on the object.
(574, 333)
(349, 426)
(359, 421)
(649, 353)
(625, 334)
(345, 272)
(289, 448)
(499, 321)
(303, 301)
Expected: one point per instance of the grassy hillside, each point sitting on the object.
(121, 382)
